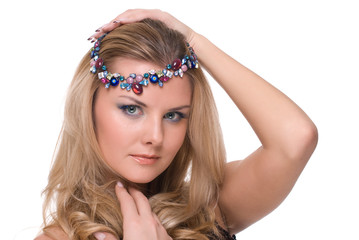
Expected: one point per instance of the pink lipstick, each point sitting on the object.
(145, 159)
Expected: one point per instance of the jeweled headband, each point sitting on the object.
(136, 81)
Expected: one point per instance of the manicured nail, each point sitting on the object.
(97, 30)
(119, 184)
(99, 235)
(89, 38)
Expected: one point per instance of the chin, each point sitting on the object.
(141, 179)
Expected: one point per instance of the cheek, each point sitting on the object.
(111, 131)
(175, 138)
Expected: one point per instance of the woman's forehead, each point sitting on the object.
(127, 66)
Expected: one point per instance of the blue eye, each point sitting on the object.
(174, 116)
(131, 110)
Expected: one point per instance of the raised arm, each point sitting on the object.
(258, 184)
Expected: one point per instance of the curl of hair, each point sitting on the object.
(80, 196)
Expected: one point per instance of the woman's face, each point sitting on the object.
(139, 135)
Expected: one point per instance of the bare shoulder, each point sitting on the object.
(54, 233)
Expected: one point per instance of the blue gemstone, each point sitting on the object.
(154, 78)
(169, 66)
(128, 88)
(144, 82)
(164, 71)
(92, 54)
(122, 78)
(193, 64)
(104, 68)
(124, 85)
(146, 75)
(160, 83)
(133, 75)
(114, 81)
(107, 85)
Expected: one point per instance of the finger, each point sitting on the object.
(158, 221)
(136, 15)
(104, 236)
(130, 16)
(98, 33)
(127, 203)
(161, 231)
(142, 204)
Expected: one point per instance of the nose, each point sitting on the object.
(153, 133)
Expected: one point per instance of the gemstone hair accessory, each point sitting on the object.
(136, 81)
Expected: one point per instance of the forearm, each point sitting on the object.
(278, 122)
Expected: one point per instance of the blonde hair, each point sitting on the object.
(80, 195)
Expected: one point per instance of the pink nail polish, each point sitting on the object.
(119, 184)
(99, 235)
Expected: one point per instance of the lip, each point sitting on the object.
(145, 159)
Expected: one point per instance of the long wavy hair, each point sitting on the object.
(80, 196)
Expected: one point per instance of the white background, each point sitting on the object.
(308, 49)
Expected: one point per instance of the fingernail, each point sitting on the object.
(120, 20)
(89, 38)
(99, 235)
(97, 30)
(119, 184)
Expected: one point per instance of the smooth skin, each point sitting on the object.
(255, 186)
(130, 126)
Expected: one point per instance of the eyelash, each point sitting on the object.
(125, 109)
(180, 116)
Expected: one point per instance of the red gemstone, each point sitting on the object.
(137, 88)
(176, 64)
(99, 63)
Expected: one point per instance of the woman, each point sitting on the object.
(149, 162)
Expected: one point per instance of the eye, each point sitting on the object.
(174, 116)
(131, 110)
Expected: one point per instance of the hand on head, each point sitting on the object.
(136, 15)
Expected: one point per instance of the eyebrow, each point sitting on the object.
(180, 108)
(135, 100)
(144, 105)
